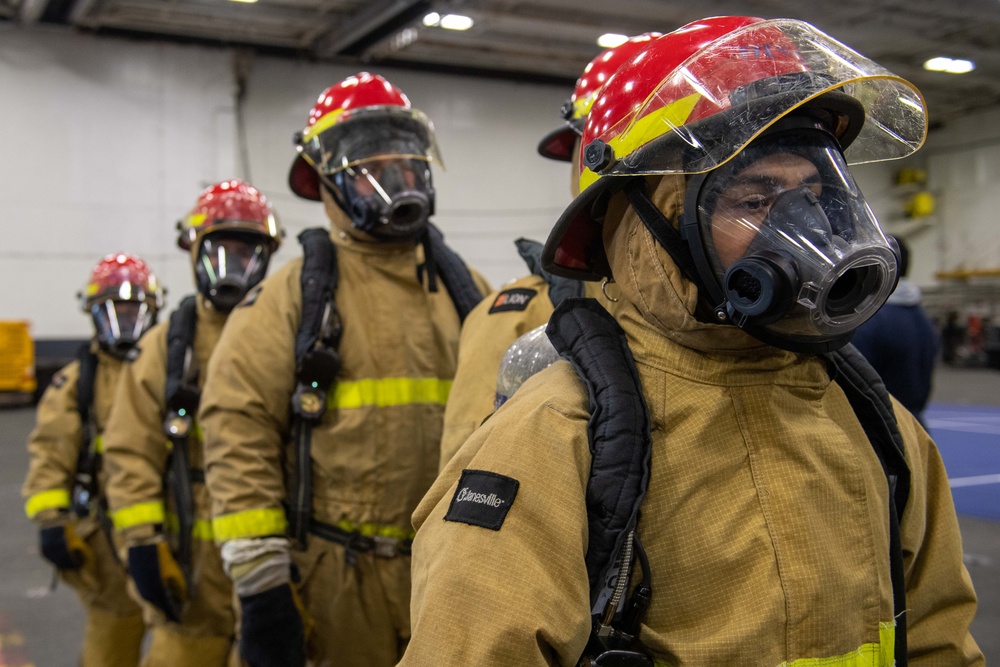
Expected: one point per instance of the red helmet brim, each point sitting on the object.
(558, 144)
(303, 179)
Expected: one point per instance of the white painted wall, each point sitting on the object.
(105, 143)
(962, 161)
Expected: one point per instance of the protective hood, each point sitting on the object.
(655, 287)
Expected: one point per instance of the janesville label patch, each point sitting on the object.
(512, 299)
(482, 499)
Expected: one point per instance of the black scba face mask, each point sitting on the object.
(228, 264)
(785, 245)
(119, 324)
(389, 199)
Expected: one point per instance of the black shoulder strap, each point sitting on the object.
(560, 288)
(620, 443)
(319, 282)
(180, 339)
(870, 401)
(85, 387)
(317, 363)
(456, 276)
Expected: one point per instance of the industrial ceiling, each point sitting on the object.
(546, 40)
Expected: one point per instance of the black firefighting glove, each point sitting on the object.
(62, 547)
(272, 633)
(158, 578)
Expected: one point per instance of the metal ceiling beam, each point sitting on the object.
(243, 13)
(379, 19)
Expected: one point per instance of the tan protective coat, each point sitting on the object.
(114, 629)
(765, 522)
(374, 454)
(135, 460)
(485, 338)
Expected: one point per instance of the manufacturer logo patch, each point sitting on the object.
(482, 499)
(512, 299)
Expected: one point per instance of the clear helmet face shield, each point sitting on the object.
(228, 264)
(724, 96)
(526, 356)
(786, 244)
(377, 160)
(119, 324)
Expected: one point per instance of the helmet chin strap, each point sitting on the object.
(664, 233)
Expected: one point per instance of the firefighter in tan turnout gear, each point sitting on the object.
(153, 449)
(716, 478)
(65, 489)
(525, 303)
(339, 365)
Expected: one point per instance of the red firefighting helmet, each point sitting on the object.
(229, 205)
(363, 117)
(558, 144)
(694, 98)
(121, 277)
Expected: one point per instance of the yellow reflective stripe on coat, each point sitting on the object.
(882, 654)
(389, 392)
(98, 444)
(201, 530)
(374, 529)
(250, 523)
(138, 514)
(53, 499)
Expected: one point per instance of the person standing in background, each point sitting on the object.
(527, 302)
(65, 488)
(153, 448)
(900, 341)
(323, 406)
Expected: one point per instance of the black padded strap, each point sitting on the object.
(319, 283)
(560, 288)
(871, 404)
(620, 443)
(85, 385)
(454, 273)
(870, 400)
(180, 339)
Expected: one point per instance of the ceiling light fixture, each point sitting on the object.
(456, 22)
(246, 2)
(432, 19)
(949, 65)
(610, 40)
